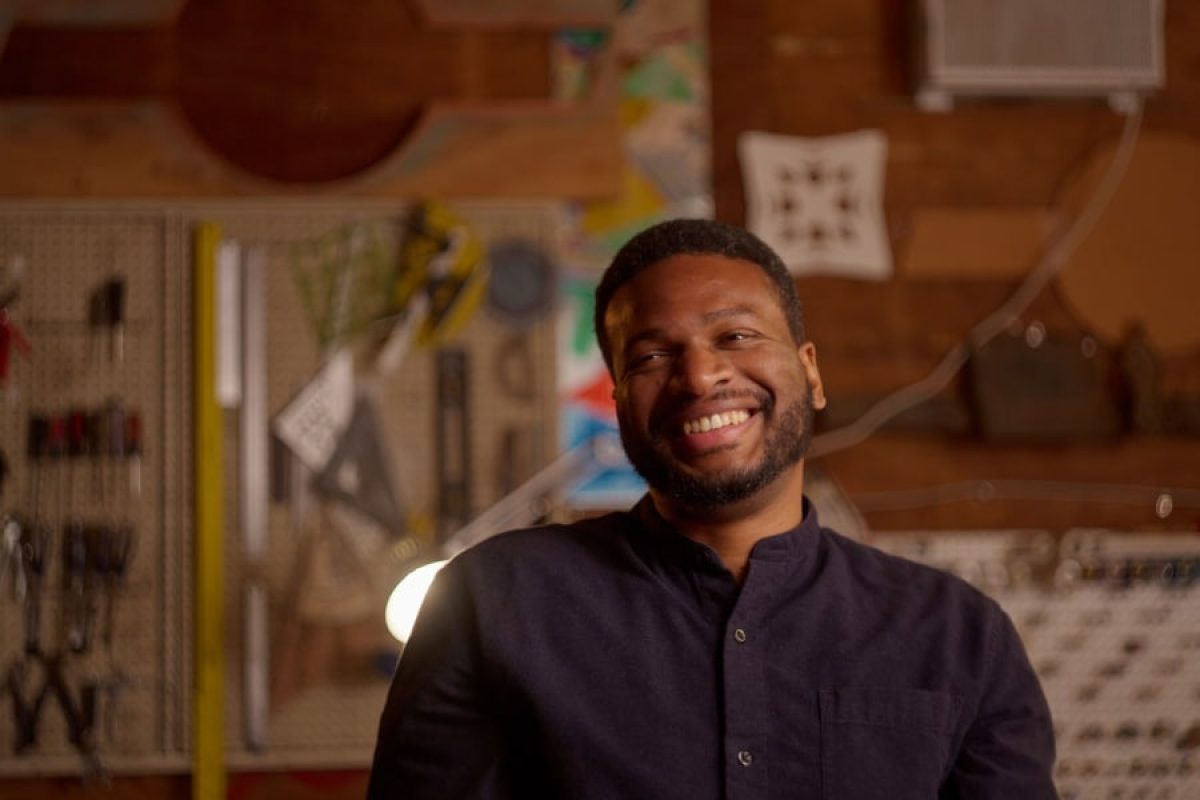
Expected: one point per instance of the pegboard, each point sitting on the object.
(328, 578)
(57, 260)
(1111, 623)
(332, 657)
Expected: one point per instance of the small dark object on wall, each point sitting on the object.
(523, 285)
(1039, 386)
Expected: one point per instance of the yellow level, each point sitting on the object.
(208, 709)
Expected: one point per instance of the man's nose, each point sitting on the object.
(698, 369)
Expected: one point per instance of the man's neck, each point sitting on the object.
(733, 530)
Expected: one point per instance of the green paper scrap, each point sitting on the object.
(658, 79)
(583, 295)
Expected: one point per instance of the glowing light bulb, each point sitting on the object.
(406, 599)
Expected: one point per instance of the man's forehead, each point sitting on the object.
(702, 285)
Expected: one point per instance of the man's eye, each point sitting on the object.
(645, 359)
(736, 336)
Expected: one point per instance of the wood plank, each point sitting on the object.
(974, 242)
(896, 463)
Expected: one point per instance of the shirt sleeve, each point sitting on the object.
(438, 737)
(1008, 750)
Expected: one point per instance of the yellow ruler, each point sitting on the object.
(208, 708)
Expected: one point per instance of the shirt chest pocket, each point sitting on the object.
(885, 742)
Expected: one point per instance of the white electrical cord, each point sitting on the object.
(1052, 262)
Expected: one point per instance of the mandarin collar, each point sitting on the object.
(790, 545)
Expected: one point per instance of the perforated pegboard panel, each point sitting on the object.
(331, 654)
(57, 258)
(328, 580)
(1112, 626)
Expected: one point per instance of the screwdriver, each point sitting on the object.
(75, 559)
(97, 438)
(35, 543)
(56, 448)
(115, 414)
(97, 320)
(10, 337)
(133, 451)
(114, 292)
(35, 450)
(77, 446)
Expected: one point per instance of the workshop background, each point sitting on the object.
(295, 299)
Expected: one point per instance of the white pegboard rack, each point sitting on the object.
(331, 720)
(57, 258)
(68, 248)
(1111, 622)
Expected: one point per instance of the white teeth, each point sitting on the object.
(715, 422)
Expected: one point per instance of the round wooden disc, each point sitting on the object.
(1138, 264)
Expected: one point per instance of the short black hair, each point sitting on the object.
(695, 237)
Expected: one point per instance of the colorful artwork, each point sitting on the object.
(585, 394)
(659, 46)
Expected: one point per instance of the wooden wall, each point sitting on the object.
(805, 68)
(178, 110)
(820, 68)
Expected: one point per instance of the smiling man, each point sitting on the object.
(714, 641)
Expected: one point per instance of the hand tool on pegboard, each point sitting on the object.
(106, 318)
(453, 440)
(78, 606)
(343, 279)
(514, 367)
(440, 280)
(114, 290)
(33, 679)
(254, 437)
(11, 338)
(442, 258)
(115, 430)
(10, 549)
(133, 451)
(208, 707)
(55, 454)
(30, 542)
(77, 450)
(359, 474)
(111, 548)
(36, 438)
(35, 676)
(524, 282)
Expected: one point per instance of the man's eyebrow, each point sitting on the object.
(708, 317)
(732, 311)
(643, 335)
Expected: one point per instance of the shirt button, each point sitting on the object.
(739, 635)
(745, 758)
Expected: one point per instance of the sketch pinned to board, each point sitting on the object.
(819, 201)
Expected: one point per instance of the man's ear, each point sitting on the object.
(808, 362)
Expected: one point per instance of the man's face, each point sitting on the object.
(714, 398)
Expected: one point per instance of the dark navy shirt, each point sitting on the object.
(614, 658)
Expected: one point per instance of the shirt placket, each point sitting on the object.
(746, 701)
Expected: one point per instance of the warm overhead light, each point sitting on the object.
(406, 599)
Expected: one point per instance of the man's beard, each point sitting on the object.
(787, 442)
